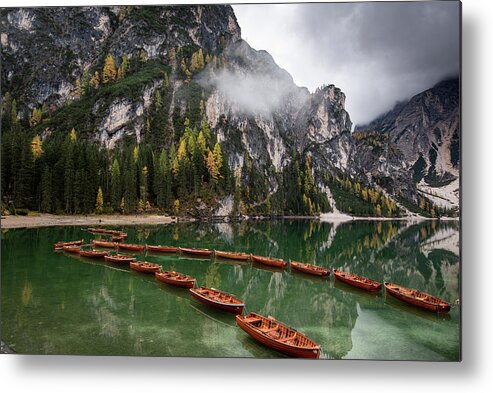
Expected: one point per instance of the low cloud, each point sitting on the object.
(378, 53)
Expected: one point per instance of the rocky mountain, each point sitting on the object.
(421, 137)
(180, 64)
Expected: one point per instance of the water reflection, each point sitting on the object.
(109, 309)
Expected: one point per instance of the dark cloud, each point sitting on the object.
(378, 53)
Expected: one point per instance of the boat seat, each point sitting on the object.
(287, 338)
(269, 330)
(252, 320)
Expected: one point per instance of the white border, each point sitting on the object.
(133, 374)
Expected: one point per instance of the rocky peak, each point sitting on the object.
(75, 39)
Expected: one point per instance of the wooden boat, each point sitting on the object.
(118, 259)
(118, 235)
(169, 249)
(93, 253)
(102, 243)
(100, 230)
(145, 267)
(218, 299)
(310, 269)
(417, 298)
(131, 247)
(357, 281)
(239, 256)
(275, 262)
(176, 279)
(74, 249)
(201, 252)
(60, 245)
(275, 335)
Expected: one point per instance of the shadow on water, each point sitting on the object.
(218, 316)
(357, 291)
(310, 277)
(412, 310)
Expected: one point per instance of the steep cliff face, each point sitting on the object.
(45, 50)
(261, 118)
(417, 142)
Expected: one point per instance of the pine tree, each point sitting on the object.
(85, 83)
(46, 190)
(218, 158)
(77, 89)
(94, 82)
(99, 202)
(73, 136)
(116, 184)
(125, 65)
(6, 112)
(109, 69)
(37, 147)
(211, 166)
(158, 101)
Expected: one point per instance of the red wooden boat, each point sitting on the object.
(131, 247)
(275, 262)
(169, 249)
(357, 281)
(176, 279)
(145, 267)
(275, 335)
(119, 259)
(60, 245)
(93, 253)
(100, 230)
(239, 256)
(218, 299)
(417, 298)
(310, 269)
(102, 243)
(202, 252)
(72, 248)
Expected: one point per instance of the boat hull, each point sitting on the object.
(130, 247)
(273, 262)
(289, 350)
(441, 308)
(59, 245)
(151, 268)
(72, 249)
(93, 254)
(373, 286)
(104, 244)
(196, 252)
(230, 255)
(302, 267)
(166, 249)
(188, 282)
(229, 307)
(123, 260)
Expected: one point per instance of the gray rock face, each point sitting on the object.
(253, 106)
(44, 50)
(422, 143)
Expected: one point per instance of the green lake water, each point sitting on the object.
(57, 303)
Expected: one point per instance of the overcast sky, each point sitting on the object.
(377, 53)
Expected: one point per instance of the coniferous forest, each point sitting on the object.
(66, 172)
(52, 162)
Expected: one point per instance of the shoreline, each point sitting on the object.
(47, 220)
